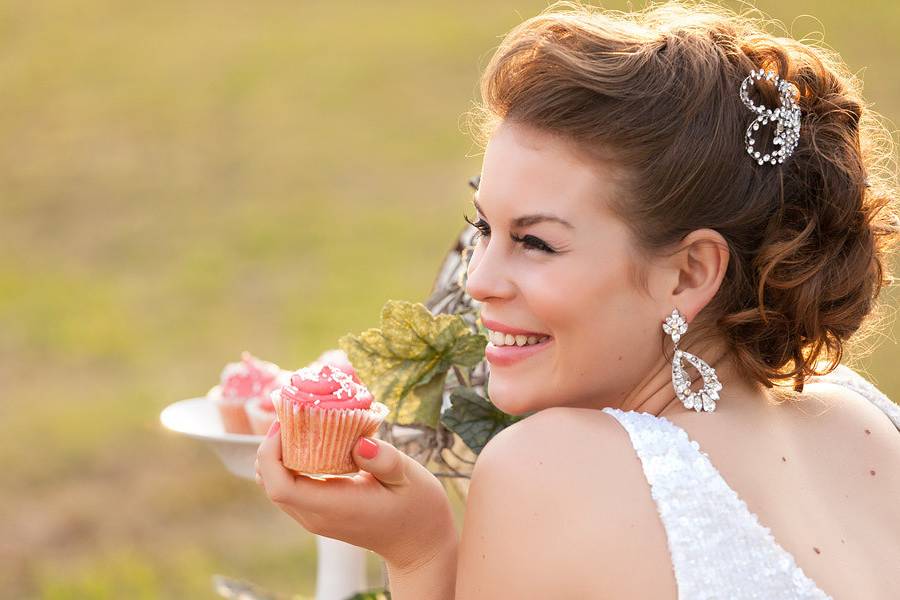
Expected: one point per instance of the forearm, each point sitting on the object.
(434, 578)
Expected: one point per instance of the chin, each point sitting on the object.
(511, 399)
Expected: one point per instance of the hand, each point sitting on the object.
(394, 507)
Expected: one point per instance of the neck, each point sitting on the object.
(655, 394)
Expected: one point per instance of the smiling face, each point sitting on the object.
(567, 278)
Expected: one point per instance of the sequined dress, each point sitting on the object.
(719, 548)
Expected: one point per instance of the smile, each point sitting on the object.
(504, 355)
(509, 345)
(498, 338)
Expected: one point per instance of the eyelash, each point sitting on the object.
(529, 241)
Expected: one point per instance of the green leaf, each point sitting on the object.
(475, 419)
(405, 362)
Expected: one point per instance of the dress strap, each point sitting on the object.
(718, 547)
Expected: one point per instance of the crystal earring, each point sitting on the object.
(705, 398)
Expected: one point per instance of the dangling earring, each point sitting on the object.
(704, 399)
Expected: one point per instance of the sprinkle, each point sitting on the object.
(872, 472)
(817, 550)
(868, 432)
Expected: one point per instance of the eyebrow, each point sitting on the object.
(526, 220)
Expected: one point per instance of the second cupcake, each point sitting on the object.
(241, 383)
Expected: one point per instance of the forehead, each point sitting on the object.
(528, 170)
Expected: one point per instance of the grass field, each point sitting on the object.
(185, 180)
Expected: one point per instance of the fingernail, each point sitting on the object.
(273, 429)
(367, 448)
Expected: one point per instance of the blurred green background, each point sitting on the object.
(185, 180)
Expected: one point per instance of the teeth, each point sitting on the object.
(500, 339)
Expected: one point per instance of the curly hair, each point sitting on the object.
(656, 91)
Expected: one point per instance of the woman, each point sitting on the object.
(672, 185)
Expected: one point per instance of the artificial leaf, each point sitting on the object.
(422, 404)
(474, 418)
(405, 362)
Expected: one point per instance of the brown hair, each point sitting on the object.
(656, 92)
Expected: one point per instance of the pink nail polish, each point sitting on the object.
(367, 448)
(273, 429)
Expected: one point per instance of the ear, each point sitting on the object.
(696, 271)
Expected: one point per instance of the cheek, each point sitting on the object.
(604, 329)
(587, 304)
(604, 336)
(593, 316)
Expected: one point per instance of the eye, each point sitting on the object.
(533, 243)
(529, 241)
(481, 225)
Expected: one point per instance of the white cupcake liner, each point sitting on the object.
(260, 419)
(320, 440)
(232, 412)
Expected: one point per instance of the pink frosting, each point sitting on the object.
(250, 378)
(336, 358)
(326, 387)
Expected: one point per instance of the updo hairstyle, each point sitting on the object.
(655, 94)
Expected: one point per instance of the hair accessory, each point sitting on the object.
(786, 117)
(706, 397)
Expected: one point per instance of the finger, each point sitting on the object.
(284, 487)
(387, 464)
(277, 480)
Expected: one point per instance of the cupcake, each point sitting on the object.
(261, 411)
(323, 412)
(260, 414)
(242, 383)
(336, 358)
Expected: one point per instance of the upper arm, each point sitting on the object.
(545, 508)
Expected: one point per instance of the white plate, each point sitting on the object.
(198, 418)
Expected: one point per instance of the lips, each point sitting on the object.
(505, 356)
(502, 356)
(497, 326)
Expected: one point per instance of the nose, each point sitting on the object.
(486, 276)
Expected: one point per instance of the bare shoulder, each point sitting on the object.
(832, 404)
(553, 433)
(557, 505)
(562, 451)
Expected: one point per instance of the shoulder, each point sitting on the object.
(555, 446)
(846, 402)
(558, 493)
(553, 432)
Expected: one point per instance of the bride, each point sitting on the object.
(662, 193)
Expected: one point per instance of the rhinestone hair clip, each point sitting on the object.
(786, 118)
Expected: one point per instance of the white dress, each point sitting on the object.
(719, 548)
